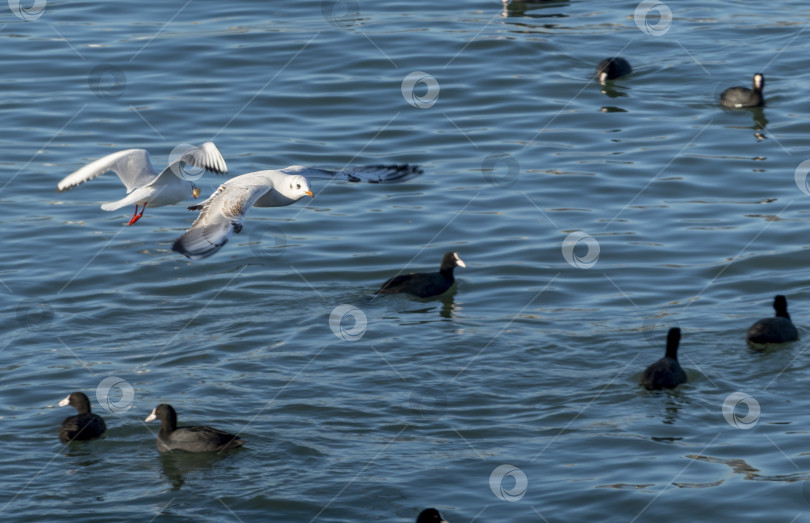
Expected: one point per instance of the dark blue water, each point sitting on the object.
(591, 218)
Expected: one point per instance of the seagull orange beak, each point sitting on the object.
(309, 193)
(195, 192)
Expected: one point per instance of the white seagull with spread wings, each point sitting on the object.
(144, 184)
(222, 214)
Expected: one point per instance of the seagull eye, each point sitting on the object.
(298, 186)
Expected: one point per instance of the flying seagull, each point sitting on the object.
(144, 185)
(222, 214)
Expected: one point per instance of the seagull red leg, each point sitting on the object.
(136, 216)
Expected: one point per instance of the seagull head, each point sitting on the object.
(297, 187)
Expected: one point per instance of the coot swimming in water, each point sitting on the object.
(82, 426)
(191, 439)
(612, 68)
(665, 373)
(778, 329)
(430, 515)
(737, 97)
(425, 284)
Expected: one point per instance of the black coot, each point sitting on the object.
(430, 515)
(665, 373)
(425, 284)
(612, 68)
(737, 97)
(191, 439)
(84, 425)
(774, 330)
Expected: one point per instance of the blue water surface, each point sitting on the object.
(591, 218)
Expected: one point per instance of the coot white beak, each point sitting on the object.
(65, 402)
(151, 416)
(460, 262)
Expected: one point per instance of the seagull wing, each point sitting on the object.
(205, 156)
(369, 173)
(221, 215)
(132, 166)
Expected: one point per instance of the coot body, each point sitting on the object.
(738, 97)
(612, 68)
(665, 373)
(430, 515)
(779, 329)
(82, 426)
(191, 439)
(425, 284)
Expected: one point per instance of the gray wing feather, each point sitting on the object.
(205, 156)
(369, 173)
(131, 165)
(221, 215)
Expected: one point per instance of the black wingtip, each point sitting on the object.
(180, 243)
(177, 246)
(397, 172)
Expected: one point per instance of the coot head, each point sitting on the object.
(162, 412)
(759, 81)
(673, 340)
(780, 306)
(450, 261)
(430, 515)
(77, 400)
(612, 68)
